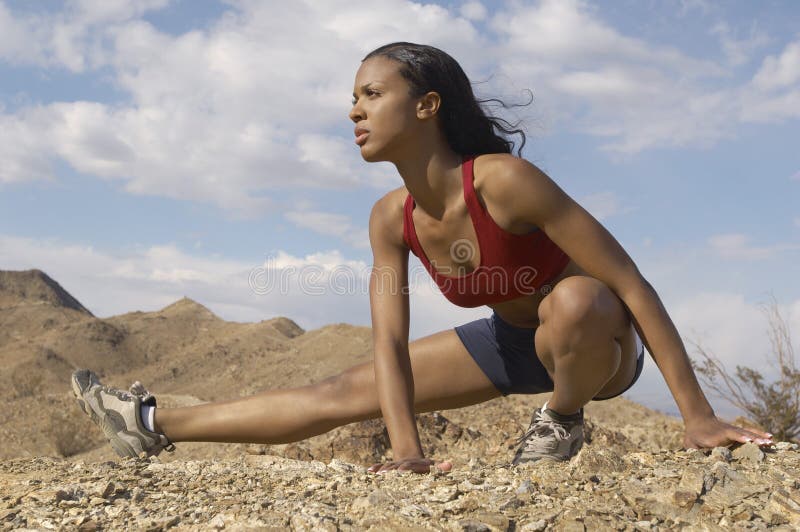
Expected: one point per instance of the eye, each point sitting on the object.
(368, 92)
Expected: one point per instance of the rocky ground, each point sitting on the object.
(600, 489)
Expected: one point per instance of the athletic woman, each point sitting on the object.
(570, 307)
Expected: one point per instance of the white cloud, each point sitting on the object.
(230, 113)
(635, 94)
(780, 72)
(737, 246)
(773, 95)
(473, 11)
(72, 38)
(607, 84)
(603, 205)
(326, 223)
(566, 32)
(688, 6)
(795, 176)
(225, 115)
(303, 288)
(739, 50)
(14, 36)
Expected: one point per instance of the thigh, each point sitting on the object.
(445, 377)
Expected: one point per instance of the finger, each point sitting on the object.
(386, 468)
(445, 466)
(380, 468)
(760, 437)
(765, 435)
(747, 436)
(755, 435)
(413, 468)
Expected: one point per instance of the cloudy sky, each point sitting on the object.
(151, 149)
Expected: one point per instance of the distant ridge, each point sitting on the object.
(35, 287)
(188, 306)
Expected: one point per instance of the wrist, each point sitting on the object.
(407, 454)
(403, 457)
(699, 418)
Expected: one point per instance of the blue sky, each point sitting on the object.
(152, 149)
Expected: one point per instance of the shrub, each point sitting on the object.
(774, 406)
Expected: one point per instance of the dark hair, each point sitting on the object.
(468, 128)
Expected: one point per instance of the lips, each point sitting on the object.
(361, 135)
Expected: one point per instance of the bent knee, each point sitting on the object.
(584, 301)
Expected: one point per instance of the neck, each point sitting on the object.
(433, 177)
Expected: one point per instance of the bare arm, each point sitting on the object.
(388, 292)
(534, 198)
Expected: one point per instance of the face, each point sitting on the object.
(384, 112)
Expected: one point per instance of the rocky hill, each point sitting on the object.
(57, 472)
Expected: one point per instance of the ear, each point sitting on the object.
(428, 105)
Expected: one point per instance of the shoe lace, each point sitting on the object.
(542, 434)
(138, 389)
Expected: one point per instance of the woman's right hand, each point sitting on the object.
(417, 465)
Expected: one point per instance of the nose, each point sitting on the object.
(356, 114)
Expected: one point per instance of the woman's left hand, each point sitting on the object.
(712, 432)
(417, 465)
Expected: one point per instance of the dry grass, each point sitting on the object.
(774, 406)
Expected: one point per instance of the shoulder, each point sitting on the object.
(502, 174)
(386, 218)
(515, 184)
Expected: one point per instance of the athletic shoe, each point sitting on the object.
(550, 436)
(118, 413)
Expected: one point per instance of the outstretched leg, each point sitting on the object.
(586, 342)
(445, 376)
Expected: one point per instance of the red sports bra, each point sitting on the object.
(511, 265)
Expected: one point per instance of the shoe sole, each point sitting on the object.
(542, 459)
(121, 447)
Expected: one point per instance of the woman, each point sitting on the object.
(569, 305)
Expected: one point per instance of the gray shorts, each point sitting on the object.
(507, 355)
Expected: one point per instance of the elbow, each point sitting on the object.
(635, 285)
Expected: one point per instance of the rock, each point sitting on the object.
(380, 497)
(535, 526)
(726, 487)
(690, 487)
(786, 504)
(444, 494)
(721, 454)
(593, 460)
(749, 453)
(471, 525)
(525, 487)
(167, 522)
(486, 521)
(97, 501)
(571, 526)
(88, 526)
(62, 495)
(217, 522)
(786, 446)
